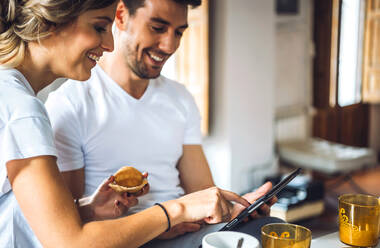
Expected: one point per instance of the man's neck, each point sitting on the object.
(123, 76)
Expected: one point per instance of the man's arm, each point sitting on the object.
(193, 169)
(74, 181)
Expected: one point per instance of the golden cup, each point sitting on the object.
(281, 235)
(359, 217)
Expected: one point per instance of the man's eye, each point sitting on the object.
(178, 33)
(158, 29)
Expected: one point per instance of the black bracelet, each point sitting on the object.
(167, 215)
(76, 201)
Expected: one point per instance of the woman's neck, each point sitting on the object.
(35, 67)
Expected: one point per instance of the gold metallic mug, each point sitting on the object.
(281, 235)
(359, 217)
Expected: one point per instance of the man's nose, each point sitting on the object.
(169, 43)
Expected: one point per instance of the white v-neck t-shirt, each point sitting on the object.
(99, 126)
(25, 132)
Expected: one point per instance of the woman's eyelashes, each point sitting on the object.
(100, 29)
(102, 26)
(179, 33)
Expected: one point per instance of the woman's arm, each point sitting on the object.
(51, 212)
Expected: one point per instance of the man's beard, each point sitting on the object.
(138, 67)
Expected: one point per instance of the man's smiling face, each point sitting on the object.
(152, 35)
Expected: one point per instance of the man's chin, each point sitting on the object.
(155, 76)
(156, 73)
(146, 74)
(150, 75)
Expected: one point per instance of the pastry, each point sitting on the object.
(128, 179)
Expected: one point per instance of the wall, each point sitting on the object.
(241, 140)
(293, 81)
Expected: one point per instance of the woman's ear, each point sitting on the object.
(121, 16)
(53, 29)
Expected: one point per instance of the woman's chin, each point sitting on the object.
(81, 76)
(85, 78)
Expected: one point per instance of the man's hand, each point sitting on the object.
(264, 210)
(181, 229)
(107, 203)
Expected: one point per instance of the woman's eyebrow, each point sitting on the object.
(106, 18)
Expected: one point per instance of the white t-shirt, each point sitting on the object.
(100, 127)
(25, 132)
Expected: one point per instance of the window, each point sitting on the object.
(350, 52)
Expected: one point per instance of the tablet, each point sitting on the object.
(246, 212)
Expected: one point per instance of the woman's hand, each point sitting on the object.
(211, 205)
(107, 204)
(264, 210)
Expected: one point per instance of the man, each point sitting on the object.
(127, 114)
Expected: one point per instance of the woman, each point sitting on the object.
(39, 42)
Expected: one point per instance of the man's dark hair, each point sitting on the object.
(133, 5)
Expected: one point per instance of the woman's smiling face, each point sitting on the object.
(80, 44)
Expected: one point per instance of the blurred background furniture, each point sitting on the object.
(326, 156)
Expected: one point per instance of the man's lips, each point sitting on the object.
(157, 58)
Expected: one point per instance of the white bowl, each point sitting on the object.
(228, 239)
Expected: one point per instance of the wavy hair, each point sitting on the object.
(22, 21)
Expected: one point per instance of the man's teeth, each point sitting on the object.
(156, 58)
(94, 57)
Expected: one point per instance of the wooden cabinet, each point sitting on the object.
(347, 125)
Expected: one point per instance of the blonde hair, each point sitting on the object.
(22, 21)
